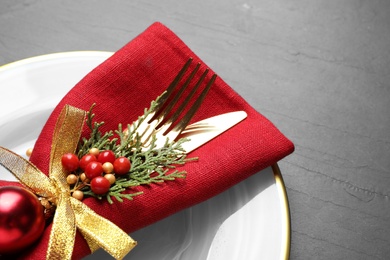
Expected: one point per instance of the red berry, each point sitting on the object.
(100, 185)
(86, 159)
(122, 165)
(106, 156)
(93, 169)
(70, 162)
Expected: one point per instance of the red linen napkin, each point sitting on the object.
(122, 87)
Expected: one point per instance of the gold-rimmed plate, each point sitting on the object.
(249, 221)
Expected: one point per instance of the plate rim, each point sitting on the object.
(286, 218)
(53, 56)
(279, 182)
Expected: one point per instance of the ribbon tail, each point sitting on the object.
(63, 233)
(100, 232)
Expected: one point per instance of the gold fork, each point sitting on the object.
(165, 123)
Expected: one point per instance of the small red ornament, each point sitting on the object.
(22, 219)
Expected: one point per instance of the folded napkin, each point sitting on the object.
(122, 87)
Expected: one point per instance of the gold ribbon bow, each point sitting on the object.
(70, 214)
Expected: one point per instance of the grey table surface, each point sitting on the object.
(318, 69)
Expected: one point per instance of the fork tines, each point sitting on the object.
(174, 110)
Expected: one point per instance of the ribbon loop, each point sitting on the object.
(70, 213)
(29, 175)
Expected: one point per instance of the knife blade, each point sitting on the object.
(205, 130)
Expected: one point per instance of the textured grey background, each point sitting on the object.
(318, 69)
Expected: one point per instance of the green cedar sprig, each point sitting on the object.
(148, 166)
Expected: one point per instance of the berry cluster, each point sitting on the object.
(97, 169)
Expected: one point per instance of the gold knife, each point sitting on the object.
(203, 131)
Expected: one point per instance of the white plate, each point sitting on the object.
(249, 221)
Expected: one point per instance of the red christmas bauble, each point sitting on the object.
(21, 219)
